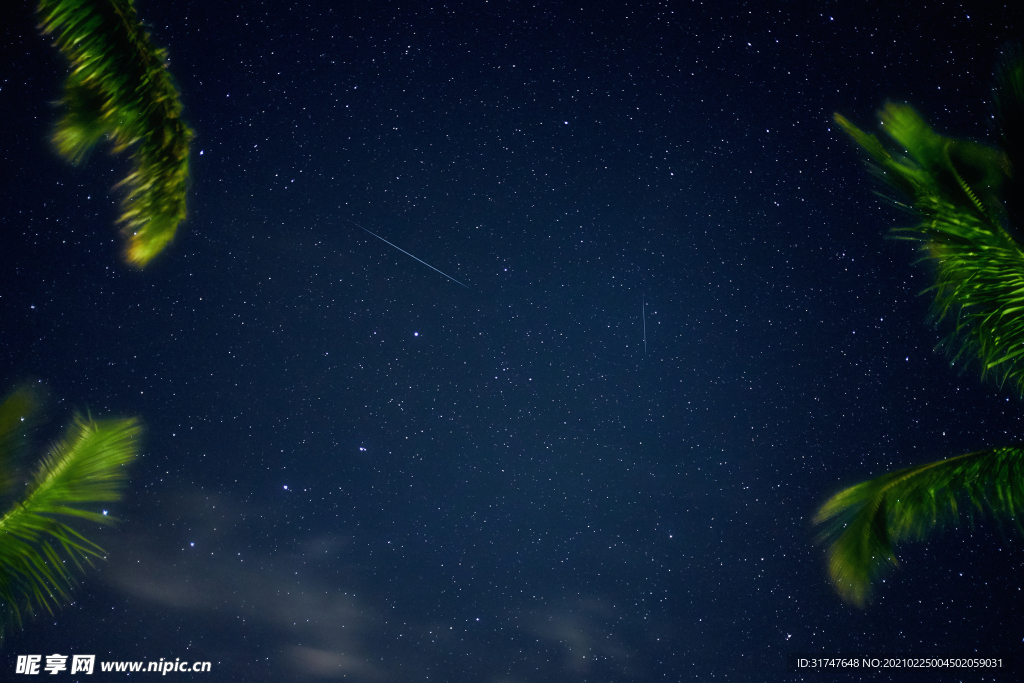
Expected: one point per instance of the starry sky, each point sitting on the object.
(681, 330)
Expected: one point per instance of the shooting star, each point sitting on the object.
(643, 305)
(408, 254)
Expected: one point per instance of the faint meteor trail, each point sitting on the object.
(643, 306)
(408, 254)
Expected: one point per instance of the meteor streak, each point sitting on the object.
(643, 311)
(408, 254)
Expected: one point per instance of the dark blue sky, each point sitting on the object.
(355, 468)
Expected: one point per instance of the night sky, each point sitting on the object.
(356, 468)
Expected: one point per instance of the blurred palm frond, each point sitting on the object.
(119, 88)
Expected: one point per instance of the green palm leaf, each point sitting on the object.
(864, 521)
(968, 198)
(39, 551)
(956, 187)
(119, 88)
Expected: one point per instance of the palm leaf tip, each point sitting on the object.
(860, 548)
(864, 521)
(86, 465)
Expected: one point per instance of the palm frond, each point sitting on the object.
(119, 88)
(39, 553)
(981, 288)
(864, 521)
(935, 172)
(957, 188)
